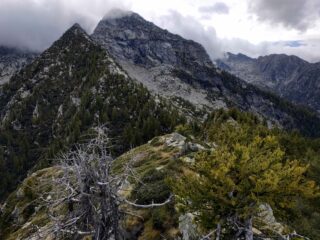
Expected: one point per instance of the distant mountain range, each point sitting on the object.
(288, 76)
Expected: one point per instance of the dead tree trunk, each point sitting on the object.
(218, 231)
(90, 190)
(248, 230)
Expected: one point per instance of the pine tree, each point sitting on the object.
(227, 185)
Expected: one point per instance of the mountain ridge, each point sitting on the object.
(288, 76)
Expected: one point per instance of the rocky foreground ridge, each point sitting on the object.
(25, 216)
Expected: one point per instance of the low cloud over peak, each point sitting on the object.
(117, 13)
(34, 25)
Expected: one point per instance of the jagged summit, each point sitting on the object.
(155, 56)
(149, 44)
(75, 31)
(75, 40)
(76, 28)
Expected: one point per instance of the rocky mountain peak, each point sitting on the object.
(128, 36)
(164, 62)
(77, 29)
(74, 41)
(74, 35)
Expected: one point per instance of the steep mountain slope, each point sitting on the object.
(71, 87)
(287, 76)
(172, 66)
(12, 60)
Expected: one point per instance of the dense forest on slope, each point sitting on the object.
(49, 106)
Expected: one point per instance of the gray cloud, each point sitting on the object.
(35, 25)
(216, 47)
(294, 14)
(219, 8)
(176, 23)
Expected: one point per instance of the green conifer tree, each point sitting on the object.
(227, 185)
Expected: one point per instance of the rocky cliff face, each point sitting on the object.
(12, 60)
(287, 76)
(175, 67)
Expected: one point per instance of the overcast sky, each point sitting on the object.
(252, 27)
